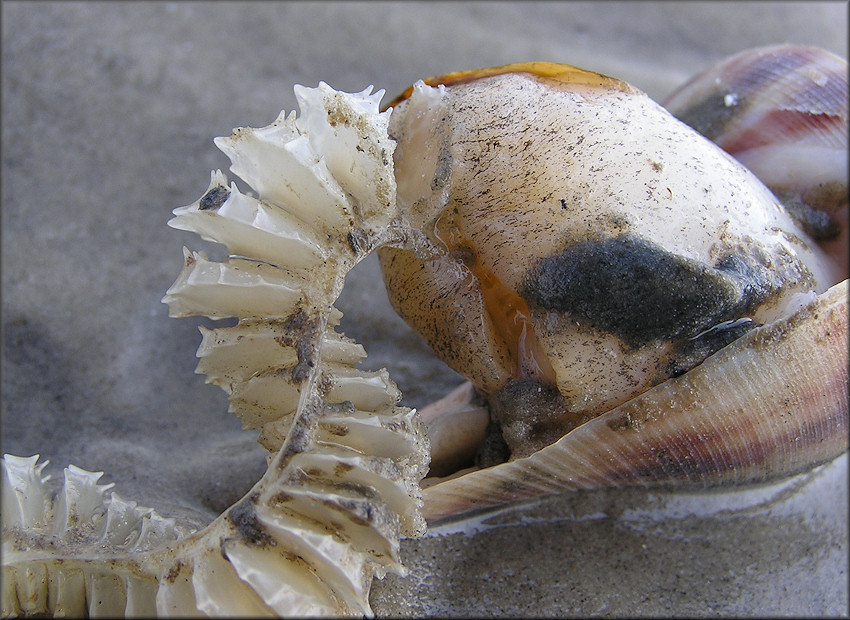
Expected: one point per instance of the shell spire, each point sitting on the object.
(342, 484)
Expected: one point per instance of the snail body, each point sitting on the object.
(576, 245)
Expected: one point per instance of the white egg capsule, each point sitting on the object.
(572, 244)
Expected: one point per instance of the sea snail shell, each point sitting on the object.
(573, 245)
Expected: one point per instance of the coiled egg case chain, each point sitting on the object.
(343, 476)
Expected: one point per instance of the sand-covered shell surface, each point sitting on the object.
(346, 460)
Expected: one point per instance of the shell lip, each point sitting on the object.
(551, 71)
(658, 488)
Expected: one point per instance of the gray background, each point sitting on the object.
(108, 115)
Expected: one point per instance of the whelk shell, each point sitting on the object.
(346, 463)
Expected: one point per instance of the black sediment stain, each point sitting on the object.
(244, 517)
(633, 288)
(710, 116)
(760, 277)
(358, 241)
(494, 449)
(214, 198)
(694, 351)
(527, 414)
(301, 333)
(819, 225)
